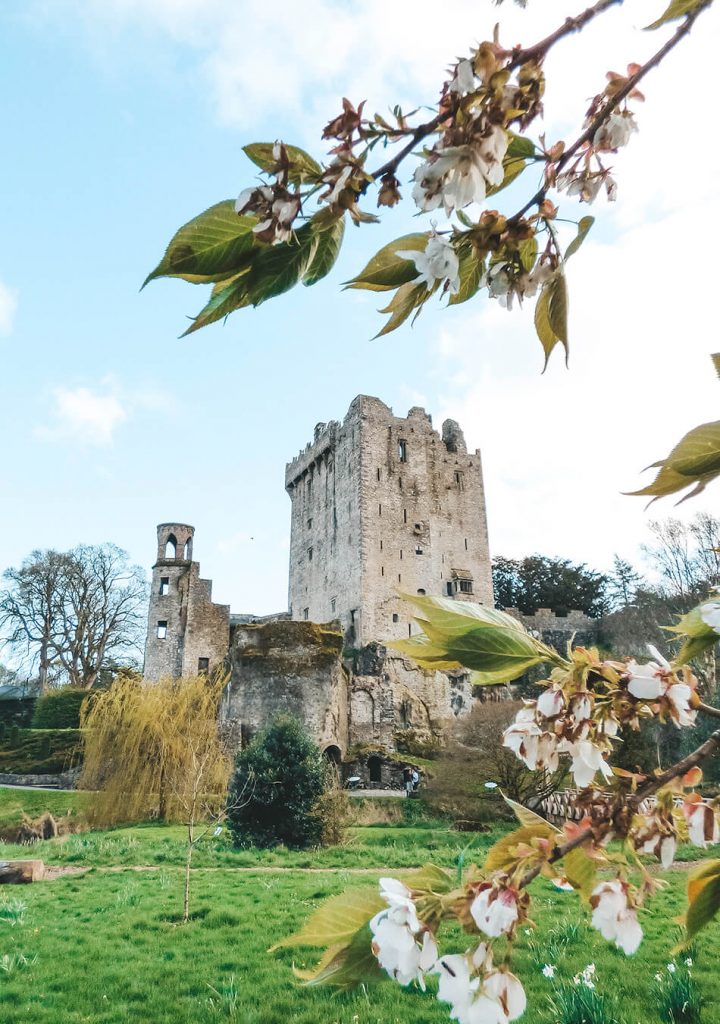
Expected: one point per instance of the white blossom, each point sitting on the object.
(671, 968)
(587, 761)
(710, 614)
(464, 78)
(439, 262)
(549, 970)
(679, 696)
(614, 919)
(551, 702)
(396, 943)
(615, 131)
(508, 990)
(647, 682)
(460, 175)
(495, 911)
(702, 824)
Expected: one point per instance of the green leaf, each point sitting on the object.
(500, 855)
(329, 241)
(472, 269)
(225, 299)
(386, 269)
(695, 460)
(703, 897)
(716, 362)
(348, 966)
(580, 871)
(698, 635)
(302, 166)
(212, 246)
(485, 640)
(407, 298)
(677, 9)
(429, 878)
(337, 920)
(528, 253)
(525, 816)
(520, 146)
(584, 225)
(551, 315)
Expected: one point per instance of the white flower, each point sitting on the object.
(581, 706)
(549, 970)
(340, 184)
(671, 968)
(439, 262)
(688, 962)
(460, 175)
(614, 919)
(494, 911)
(679, 696)
(464, 78)
(537, 749)
(508, 991)
(658, 977)
(551, 702)
(587, 760)
(710, 614)
(702, 824)
(668, 846)
(395, 942)
(647, 682)
(615, 131)
(536, 279)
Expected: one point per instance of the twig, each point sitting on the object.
(570, 25)
(709, 747)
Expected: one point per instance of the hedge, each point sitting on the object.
(40, 751)
(17, 709)
(59, 709)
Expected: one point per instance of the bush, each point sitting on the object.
(17, 710)
(277, 783)
(40, 752)
(59, 709)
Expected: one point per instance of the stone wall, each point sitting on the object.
(292, 667)
(379, 504)
(557, 630)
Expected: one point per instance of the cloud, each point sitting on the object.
(91, 416)
(8, 306)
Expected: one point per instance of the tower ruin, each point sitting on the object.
(187, 633)
(383, 504)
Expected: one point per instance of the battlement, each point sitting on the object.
(323, 442)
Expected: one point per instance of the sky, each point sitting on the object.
(125, 118)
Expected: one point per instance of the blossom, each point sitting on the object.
(671, 968)
(615, 131)
(459, 175)
(654, 681)
(396, 942)
(538, 749)
(581, 706)
(710, 614)
(646, 682)
(495, 911)
(702, 824)
(688, 962)
(439, 262)
(549, 970)
(508, 990)
(587, 761)
(464, 78)
(614, 918)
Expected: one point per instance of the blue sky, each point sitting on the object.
(123, 119)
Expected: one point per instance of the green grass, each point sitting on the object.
(34, 802)
(107, 948)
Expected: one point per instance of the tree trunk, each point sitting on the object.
(188, 861)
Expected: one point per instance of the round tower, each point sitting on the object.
(168, 610)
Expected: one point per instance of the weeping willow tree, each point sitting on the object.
(153, 750)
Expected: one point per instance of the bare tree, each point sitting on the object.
(69, 612)
(686, 556)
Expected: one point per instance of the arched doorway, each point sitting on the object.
(374, 764)
(333, 754)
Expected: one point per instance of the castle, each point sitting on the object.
(381, 505)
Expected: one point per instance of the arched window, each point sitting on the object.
(171, 546)
(421, 591)
(187, 554)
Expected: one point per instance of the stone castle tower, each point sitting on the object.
(382, 504)
(187, 633)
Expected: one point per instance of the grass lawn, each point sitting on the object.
(106, 947)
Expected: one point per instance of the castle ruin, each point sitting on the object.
(381, 505)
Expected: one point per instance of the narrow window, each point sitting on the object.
(378, 473)
(404, 515)
(401, 554)
(396, 617)
(164, 586)
(459, 481)
(382, 570)
(162, 629)
(400, 482)
(309, 526)
(171, 547)
(203, 666)
(402, 451)
(187, 554)
(418, 550)
(381, 545)
(310, 554)
(409, 628)
(332, 606)
(466, 544)
(443, 559)
(399, 578)
(379, 510)
(449, 588)
(352, 615)
(306, 613)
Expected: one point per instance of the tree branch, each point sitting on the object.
(709, 747)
